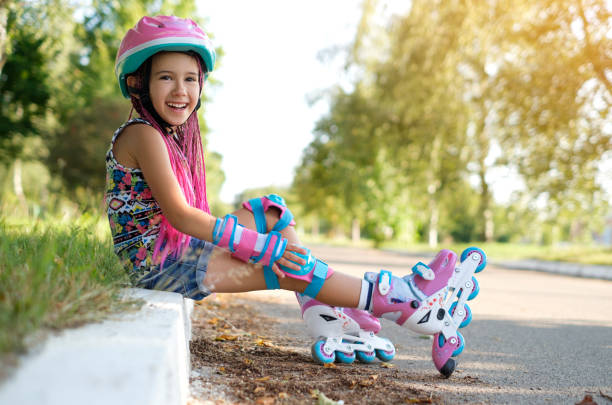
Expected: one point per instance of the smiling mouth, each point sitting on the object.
(177, 106)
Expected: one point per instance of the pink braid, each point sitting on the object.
(187, 161)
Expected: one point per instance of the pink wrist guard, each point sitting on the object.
(246, 244)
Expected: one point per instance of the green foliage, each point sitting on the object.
(23, 85)
(58, 85)
(560, 100)
(78, 154)
(451, 90)
(53, 274)
(214, 181)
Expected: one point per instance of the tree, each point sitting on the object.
(24, 89)
(96, 107)
(556, 102)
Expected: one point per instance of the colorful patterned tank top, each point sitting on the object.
(133, 213)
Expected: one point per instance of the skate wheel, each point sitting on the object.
(468, 314)
(460, 345)
(365, 357)
(483, 257)
(448, 368)
(458, 350)
(475, 289)
(385, 355)
(346, 358)
(319, 355)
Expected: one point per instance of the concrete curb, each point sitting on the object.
(132, 358)
(562, 268)
(554, 267)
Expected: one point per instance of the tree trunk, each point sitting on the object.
(355, 231)
(434, 219)
(315, 227)
(18, 182)
(485, 205)
(3, 32)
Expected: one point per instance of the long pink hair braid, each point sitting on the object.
(186, 158)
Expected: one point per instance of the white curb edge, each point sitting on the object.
(132, 358)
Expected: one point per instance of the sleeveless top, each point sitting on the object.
(133, 214)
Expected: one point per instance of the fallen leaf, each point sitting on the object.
(329, 365)
(225, 337)
(266, 378)
(283, 395)
(248, 361)
(386, 365)
(213, 321)
(265, 401)
(266, 343)
(587, 400)
(259, 389)
(366, 383)
(323, 400)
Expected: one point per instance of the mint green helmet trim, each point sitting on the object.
(131, 62)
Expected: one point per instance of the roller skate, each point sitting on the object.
(432, 301)
(343, 334)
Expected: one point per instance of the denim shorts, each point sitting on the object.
(184, 275)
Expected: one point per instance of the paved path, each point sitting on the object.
(535, 337)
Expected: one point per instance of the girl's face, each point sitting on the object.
(174, 86)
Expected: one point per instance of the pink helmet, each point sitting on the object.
(160, 33)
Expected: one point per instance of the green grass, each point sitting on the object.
(54, 274)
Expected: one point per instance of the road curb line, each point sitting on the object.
(139, 357)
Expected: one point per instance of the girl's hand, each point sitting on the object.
(289, 259)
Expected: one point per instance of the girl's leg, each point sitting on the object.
(227, 274)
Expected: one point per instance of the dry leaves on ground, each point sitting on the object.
(255, 366)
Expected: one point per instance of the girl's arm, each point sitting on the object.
(148, 150)
(143, 145)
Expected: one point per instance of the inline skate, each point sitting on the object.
(432, 301)
(343, 334)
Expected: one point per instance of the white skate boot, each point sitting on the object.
(343, 334)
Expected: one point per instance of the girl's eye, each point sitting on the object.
(191, 79)
(165, 77)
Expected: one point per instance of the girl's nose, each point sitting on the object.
(179, 87)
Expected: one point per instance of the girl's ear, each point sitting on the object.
(132, 82)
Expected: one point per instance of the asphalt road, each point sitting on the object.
(535, 338)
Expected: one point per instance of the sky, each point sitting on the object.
(260, 118)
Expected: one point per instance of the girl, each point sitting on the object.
(159, 216)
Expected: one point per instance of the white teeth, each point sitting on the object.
(177, 105)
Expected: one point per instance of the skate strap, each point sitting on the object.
(423, 270)
(319, 275)
(384, 282)
(246, 244)
(315, 271)
(273, 249)
(271, 278)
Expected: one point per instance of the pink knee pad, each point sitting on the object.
(259, 206)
